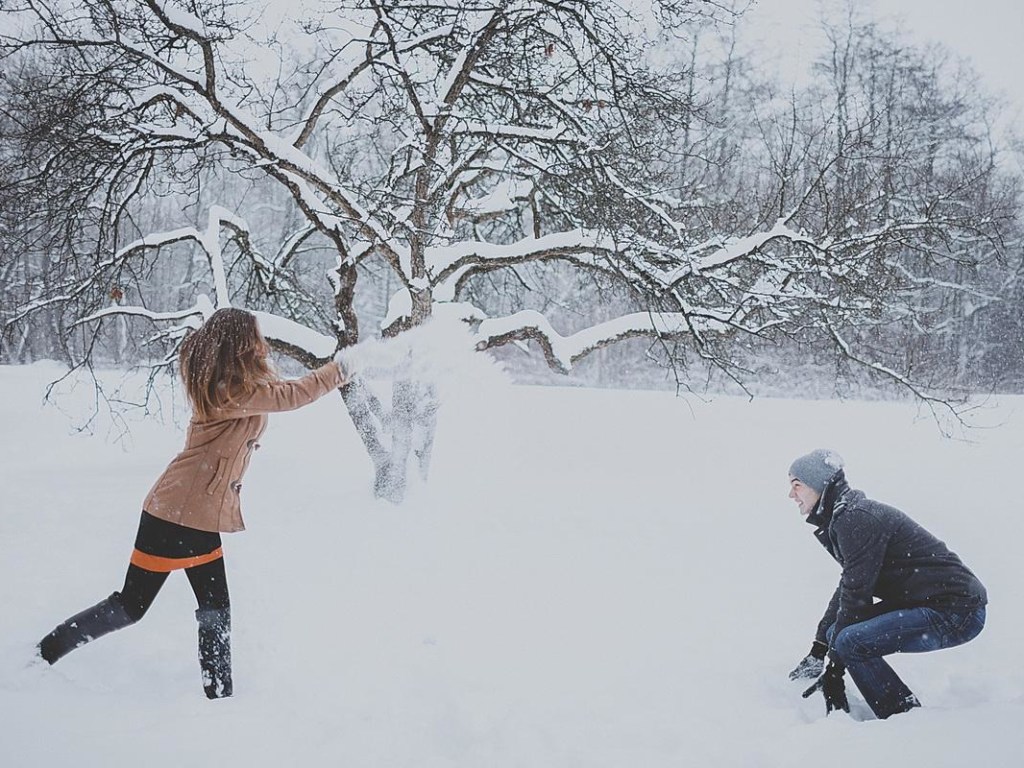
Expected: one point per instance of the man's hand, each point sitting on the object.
(832, 688)
(812, 664)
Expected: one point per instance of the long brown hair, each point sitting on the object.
(224, 359)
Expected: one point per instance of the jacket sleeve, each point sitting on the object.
(289, 395)
(829, 618)
(861, 540)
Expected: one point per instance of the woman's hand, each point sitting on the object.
(343, 366)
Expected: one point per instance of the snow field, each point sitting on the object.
(590, 578)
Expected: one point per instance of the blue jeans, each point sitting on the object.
(860, 647)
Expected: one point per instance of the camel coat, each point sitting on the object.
(200, 488)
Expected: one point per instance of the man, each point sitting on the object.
(928, 599)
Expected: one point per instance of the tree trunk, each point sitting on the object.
(392, 438)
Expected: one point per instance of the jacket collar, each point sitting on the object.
(831, 500)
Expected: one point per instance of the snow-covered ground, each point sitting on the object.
(591, 578)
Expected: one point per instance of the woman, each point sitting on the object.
(232, 389)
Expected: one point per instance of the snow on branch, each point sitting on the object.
(637, 256)
(309, 122)
(182, 321)
(562, 352)
(310, 344)
(301, 341)
(558, 134)
(180, 20)
(932, 401)
(449, 264)
(158, 240)
(74, 292)
(986, 296)
(322, 196)
(295, 338)
(717, 252)
(451, 85)
(208, 240)
(202, 310)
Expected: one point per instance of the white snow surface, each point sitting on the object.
(590, 578)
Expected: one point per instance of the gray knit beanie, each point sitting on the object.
(816, 468)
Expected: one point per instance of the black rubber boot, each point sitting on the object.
(103, 618)
(215, 651)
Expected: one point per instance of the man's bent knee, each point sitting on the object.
(847, 648)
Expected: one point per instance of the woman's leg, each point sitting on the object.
(210, 584)
(114, 612)
(140, 590)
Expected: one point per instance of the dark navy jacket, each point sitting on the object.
(887, 555)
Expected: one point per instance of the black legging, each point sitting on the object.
(209, 582)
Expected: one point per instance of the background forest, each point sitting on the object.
(620, 194)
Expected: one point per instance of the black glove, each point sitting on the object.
(832, 687)
(811, 664)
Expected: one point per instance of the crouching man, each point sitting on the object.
(928, 599)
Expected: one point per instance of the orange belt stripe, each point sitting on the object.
(168, 564)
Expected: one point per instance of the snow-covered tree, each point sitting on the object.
(432, 147)
(444, 141)
(886, 160)
(921, 149)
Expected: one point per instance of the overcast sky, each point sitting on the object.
(988, 32)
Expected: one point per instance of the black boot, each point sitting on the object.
(103, 618)
(215, 651)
